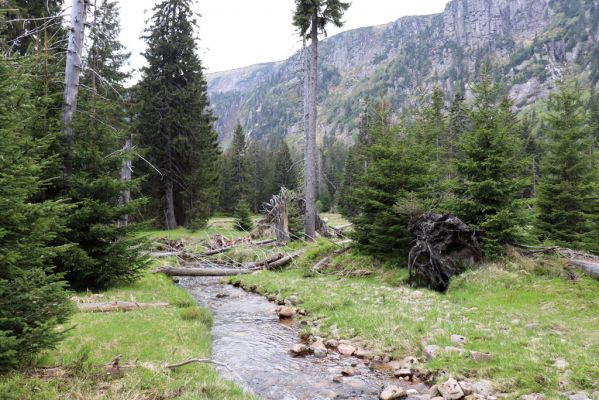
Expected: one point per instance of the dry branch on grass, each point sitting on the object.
(198, 360)
(587, 262)
(117, 306)
(324, 263)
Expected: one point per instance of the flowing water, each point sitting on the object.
(248, 336)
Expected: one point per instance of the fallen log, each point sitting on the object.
(591, 268)
(324, 263)
(216, 251)
(117, 306)
(199, 272)
(164, 254)
(587, 262)
(207, 271)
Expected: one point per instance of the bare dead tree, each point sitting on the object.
(72, 75)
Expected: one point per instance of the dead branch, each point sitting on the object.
(324, 263)
(587, 262)
(199, 360)
(117, 306)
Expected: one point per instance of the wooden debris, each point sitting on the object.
(198, 360)
(324, 263)
(117, 306)
(271, 263)
(587, 262)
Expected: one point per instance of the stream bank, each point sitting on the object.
(248, 337)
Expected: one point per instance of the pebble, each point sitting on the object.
(451, 390)
(332, 343)
(348, 372)
(362, 353)
(402, 373)
(579, 396)
(346, 349)
(466, 387)
(459, 339)
(431, 351)
(482, 387)
(480, 356)
(293, 300)
(392, 393)
(533, 396)
(300, 349)
(285, 312)
(561, 364)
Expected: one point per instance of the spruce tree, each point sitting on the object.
(567, 190)
(175, 120)
(285, 175)
(261, 167)
(490, 169)
(236, 173)
(101, 252)
(243, 217)
(33, 301)
(457, 124)
(395, 174)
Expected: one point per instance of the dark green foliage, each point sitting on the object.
(175, 120)
(102, 252)
(285, 173)
(490, 169)
(243, 217)
(395, 173)
(261, 175)
(327, 11)
(28, 34)
(32, 300)
(235, 181)
(295, 222)
(567, 192)
(333, 155)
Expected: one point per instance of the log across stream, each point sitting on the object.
(248, 337)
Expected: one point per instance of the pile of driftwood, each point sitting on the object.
(229, 269)
(445, 246)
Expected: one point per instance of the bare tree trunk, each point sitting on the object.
(126, 171)
(169, 205)
(310, 157)
(282, 223)
(72, 75)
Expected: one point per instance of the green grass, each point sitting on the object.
(150, 338)
(524, 312)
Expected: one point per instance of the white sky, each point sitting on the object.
(237, 33)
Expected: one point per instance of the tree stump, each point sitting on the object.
(445, 246)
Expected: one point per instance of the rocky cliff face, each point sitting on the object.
(530, 43)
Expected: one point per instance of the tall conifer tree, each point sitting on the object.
(102, 252)
(490, 169)
(175, 119)
(567, 192)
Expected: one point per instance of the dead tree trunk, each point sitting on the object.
(282, 222)
(444, 247)
(72, 74)
(126, 172)
(169, 205)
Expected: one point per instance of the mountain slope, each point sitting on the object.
(531, 44)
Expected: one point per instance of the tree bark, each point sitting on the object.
(126, 172)
(310, 157)
(72, 74)
(169, 203)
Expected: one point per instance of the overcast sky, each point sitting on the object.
(237, 33)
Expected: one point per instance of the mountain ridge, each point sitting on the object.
(530, 43)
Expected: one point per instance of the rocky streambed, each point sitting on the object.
(249, 337)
